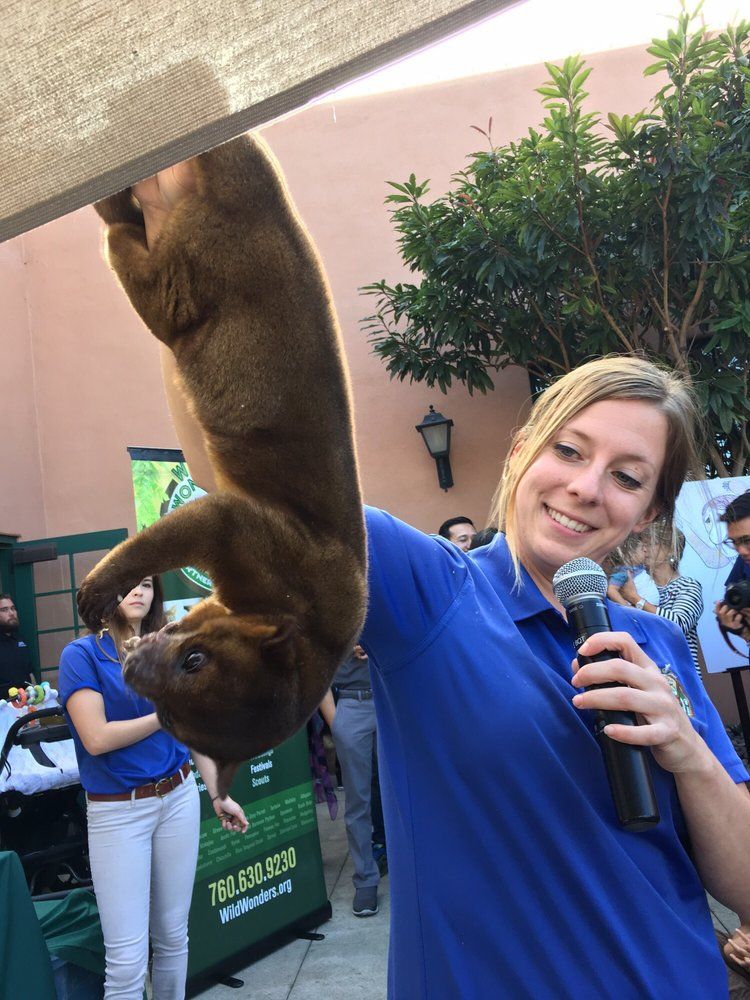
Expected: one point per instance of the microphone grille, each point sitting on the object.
(579, 576)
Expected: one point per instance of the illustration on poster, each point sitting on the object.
(706, 534)
(708, 558)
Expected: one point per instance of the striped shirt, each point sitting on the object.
(681, 602)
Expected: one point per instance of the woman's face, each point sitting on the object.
(137, 603)
(591, 485)
(639, 554)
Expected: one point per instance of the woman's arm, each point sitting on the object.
(716, 809)
(230, 813)
(687, 607)
(614, 594)
(717, 812)
(328, 708)
(86, 710)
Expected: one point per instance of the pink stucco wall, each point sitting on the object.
(83, 383)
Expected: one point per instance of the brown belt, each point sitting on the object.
(158, 788)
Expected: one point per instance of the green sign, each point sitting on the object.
(247, 887)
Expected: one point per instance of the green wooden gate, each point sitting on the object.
(43, 576)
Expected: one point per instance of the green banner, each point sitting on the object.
(247, 887)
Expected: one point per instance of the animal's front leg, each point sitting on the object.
(194, 535)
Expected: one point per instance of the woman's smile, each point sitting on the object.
(567, 522)
(591, 485)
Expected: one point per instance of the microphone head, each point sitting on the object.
(577, 577)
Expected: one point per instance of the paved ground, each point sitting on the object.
(350, 964)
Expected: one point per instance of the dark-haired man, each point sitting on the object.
(737, 519)
(15, 662)
(459, 530)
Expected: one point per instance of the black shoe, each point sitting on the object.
(381, 859)
(365, 901)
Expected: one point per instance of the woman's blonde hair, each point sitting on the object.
(614, 377)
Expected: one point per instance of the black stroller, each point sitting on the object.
(42, 811)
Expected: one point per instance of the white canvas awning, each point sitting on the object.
(96, 95)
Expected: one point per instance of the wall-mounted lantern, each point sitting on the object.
(436, 433)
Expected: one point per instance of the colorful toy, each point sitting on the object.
(29, 697)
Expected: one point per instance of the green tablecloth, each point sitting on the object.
(24, 959)
(72, 930)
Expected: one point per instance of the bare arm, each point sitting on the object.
(328, 708)
(717, 812)
(613, 593)
(716, 809)
(229, 812)
(86, 709)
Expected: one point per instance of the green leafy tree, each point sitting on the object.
(590, 236)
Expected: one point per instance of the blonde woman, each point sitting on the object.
(142, 805)
(510, 876)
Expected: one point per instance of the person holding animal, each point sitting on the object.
(510, 874)
(217, 263)
(142, 805)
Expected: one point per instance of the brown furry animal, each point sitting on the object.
(234, 287)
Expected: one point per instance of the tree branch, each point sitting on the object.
(553, 333)
(718, 461)
(687, 319)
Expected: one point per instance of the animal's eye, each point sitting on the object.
(193, 661)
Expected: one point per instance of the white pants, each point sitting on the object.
(143, 856)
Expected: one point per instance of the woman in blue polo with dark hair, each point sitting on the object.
(142, 805)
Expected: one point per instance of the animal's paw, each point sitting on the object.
(95, 606)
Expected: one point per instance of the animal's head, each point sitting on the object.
(223, 684)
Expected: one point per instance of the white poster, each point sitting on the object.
(709, 558)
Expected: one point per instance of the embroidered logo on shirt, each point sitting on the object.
(678, 690)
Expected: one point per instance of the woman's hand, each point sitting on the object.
(628, 590)
(159, 194)
(614, 595)
(230, 814)
(664, 728)
(738, 946)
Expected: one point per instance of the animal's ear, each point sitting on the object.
(281, 635)
(279, 648)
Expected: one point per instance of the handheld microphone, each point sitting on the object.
(580, 586)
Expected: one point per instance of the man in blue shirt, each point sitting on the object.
(737, 519)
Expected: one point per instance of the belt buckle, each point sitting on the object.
(160, 795)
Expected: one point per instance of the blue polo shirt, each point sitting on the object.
(83, 664)
(511, 876)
